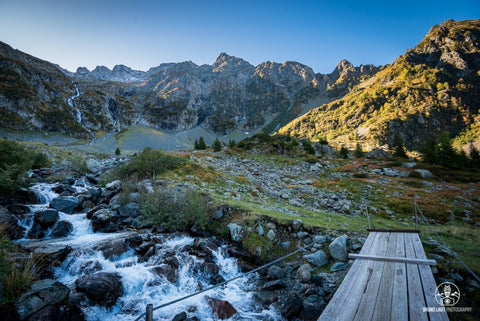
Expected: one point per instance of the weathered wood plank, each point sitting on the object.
(383, 304)
(399, 310)
(428, 283)
(416, 299)
(392, 259)
(369, 296)
(344, 303)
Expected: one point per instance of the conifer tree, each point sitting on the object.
(232, 143)
(217, 146)
(358, 153)
(307, 147)
(195, 145)
(201, 144)
(474, 156)
(398, 147)
(344, 152)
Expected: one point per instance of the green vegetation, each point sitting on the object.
(200, 144)
(398, 147)
(413, 96)
(217, 145)
(148, 164)
(15, 161)
(176, 210)
(16, 275)
(117, 151)
(358, 153)
(307, 147)
(344, 152)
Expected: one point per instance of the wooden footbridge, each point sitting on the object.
(391, 279)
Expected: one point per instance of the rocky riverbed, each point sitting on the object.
(98, 264)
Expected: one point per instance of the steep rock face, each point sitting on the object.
(228, 95)
(429, 89)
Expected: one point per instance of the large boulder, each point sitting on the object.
(62, 229)
(41, 294)
(46, 218)
(338, 248)
(12, 229)
(129, 210)
(291, 306)
(101, 288)
(112, 248)
(319, 258)
(65, 204)
(223, 309)
(104, 220)
(235, 232)
(304, 273)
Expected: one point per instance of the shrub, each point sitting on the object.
(307, 147)
(15, 161)
(16, 275)
(150, 163)
(179, 211)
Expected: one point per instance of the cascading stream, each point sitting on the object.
(198, 264)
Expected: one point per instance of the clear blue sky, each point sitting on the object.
(142, 34)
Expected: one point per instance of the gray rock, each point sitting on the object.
(319, 239)
(46, 218)
(274, 285)
(12, 229)
(41, 293)
(260, 230)
(338, 266)
(129, 210)
(312, 308)
(104, 220)
(135, 197)
(302, 234)
(112, 248)
(285, 245)
(338, 248)
(93, 165)
(66, 204)
(424, 173)
(297, 224)
(101, 288)
(271, 235)
(235, 232)
(304, 273)
(115, 185)
(62, 229)
(275, 272)
(319, 258)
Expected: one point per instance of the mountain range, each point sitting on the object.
(434, 87)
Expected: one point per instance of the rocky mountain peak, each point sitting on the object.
(452, 45)
(226, 62)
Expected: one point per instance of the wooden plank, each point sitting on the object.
(349, 292)
(392, 259)
(428, 282)
(399, 310)
(416, 299)
(392, 231)
(369, 296)
(383, 304)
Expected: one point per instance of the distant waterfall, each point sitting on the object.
(78, 113)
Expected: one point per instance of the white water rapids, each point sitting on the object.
(141, 285)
